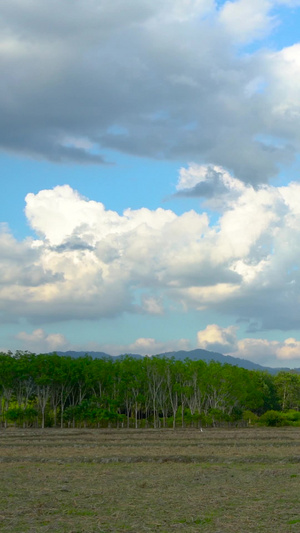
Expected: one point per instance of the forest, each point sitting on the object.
(48, 390)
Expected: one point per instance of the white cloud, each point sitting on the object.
(262, 351)
(78, 216)
(213, 338)
(273, 353)
(190, 177)
(39, 341)
(144, 346)
(290, 349)
(152, 305)
(284, 91)
(149, 346)
(89, 262)
(246, 20)
(217, 339)
(210, 182)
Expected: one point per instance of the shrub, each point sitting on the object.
(293, 416)
(273, 419)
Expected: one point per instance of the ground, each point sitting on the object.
(105, 481)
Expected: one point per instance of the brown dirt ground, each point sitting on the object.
(104, 481)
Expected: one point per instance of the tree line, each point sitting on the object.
(48, 390)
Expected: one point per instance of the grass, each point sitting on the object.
(104, 481)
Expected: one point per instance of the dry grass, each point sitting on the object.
(88, 481)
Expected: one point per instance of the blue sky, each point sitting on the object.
(150, 177)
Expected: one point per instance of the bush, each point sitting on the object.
(273, 419)
(292, 418)
(21, 416)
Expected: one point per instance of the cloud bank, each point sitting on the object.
(88, 262)
(165, 79)
(39, 341)
(262, 351)
(213, 338)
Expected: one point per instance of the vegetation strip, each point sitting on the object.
(48, 390)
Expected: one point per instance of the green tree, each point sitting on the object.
(7, 382)
(288, 388)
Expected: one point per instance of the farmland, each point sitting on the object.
(104, 481)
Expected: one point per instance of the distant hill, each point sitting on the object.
(194, 355)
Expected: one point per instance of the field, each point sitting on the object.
(88, 481)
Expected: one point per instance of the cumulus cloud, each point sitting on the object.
(39, 341)
(144, 346)
(257, 227)
(191, 178)
(21, 275)
(246, 21)
(273, 353)
(213, 338)
(88, 262)
(262, 351)
(162, 79)
(217, 339)
(211, 183)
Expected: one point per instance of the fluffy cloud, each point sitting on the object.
(262, 351)
(273, 353)
(89, 262)
(214, 338)
(217, 339)
(162, 79)
(149, 346)
(256, 234)
(39, 341)
(210, 182)
(247, 21)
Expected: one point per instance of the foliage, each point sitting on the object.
(272, 419)
(47, 389)
(280, 418)
(250, 417)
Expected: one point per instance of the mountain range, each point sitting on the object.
(194, 355)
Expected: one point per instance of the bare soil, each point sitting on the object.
(104, 481)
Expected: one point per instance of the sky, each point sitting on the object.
(150, 165)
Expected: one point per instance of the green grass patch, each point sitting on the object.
(79, 512)
(197, 521)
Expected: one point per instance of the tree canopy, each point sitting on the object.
(52, 390)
